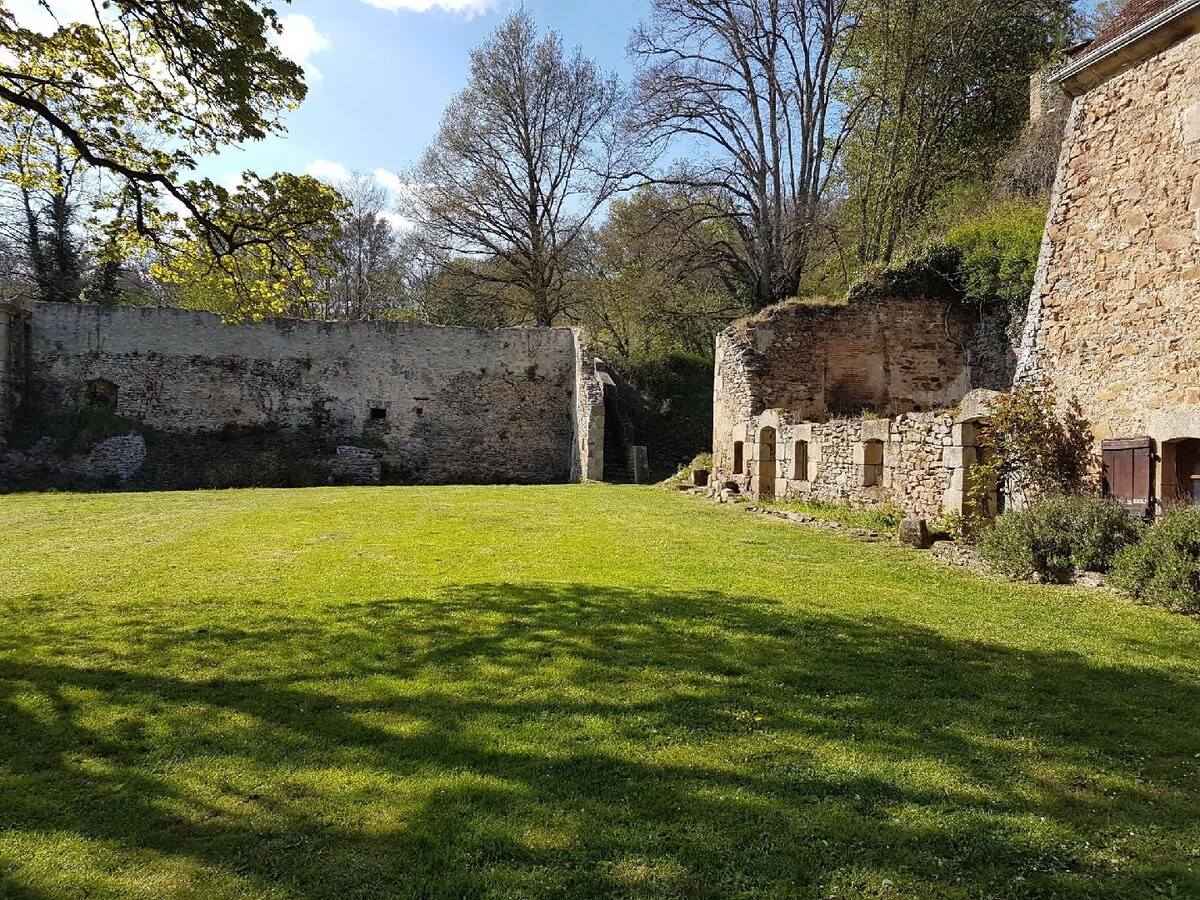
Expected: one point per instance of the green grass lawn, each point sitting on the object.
(567, 692)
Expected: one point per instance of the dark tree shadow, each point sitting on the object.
(594, 742)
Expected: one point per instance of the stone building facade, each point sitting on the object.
(872, 402)
(1113, 325)
(1114, 322)
(429, 405)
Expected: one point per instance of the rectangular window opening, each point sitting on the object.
(800, 472)
(739, 457)
(378, 414)
(872, 469)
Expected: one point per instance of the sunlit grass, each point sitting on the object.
(567, 692)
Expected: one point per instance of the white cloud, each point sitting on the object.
(390, 180)
(466, 8)
(398, 221)
(301, 40)
(326, 170)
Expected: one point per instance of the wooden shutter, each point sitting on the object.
(1129, 474)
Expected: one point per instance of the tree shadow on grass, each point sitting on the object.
(586, 742)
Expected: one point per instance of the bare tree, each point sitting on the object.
(365, 277)
(525, 157)
(752, 84)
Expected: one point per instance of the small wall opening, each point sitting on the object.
(739, 458)
(378, 414)
(872, 465)
(101, 394)
(1181, 471)
(800, 462)
(766, 470)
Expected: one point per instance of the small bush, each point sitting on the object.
(1164, 567)
(1058, 536)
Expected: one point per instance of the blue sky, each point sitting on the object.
(382, 71)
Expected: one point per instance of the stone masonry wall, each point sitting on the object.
(588, 413)
(911, 464)
(439, 404)
(13, 362)
(886, 356)
(1114, 321)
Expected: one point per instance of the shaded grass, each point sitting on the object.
(566, 692)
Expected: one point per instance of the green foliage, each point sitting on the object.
(662, 276)
(1033, 450)
(139, 92)
(1164, 568)
(941, 91)
(1057, 536)
(987, 262)
(273, 278)
(669, 397)
(998, 254)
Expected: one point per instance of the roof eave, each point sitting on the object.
(1155, 34)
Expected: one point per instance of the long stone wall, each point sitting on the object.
(437, 405)
(1114, 322)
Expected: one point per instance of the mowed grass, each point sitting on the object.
(567, 692)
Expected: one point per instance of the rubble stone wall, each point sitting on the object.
(14, 350)
(909, 462)
(806, 370)
(1114, 321)
(439, 405)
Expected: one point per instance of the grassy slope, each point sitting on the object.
(566, 692)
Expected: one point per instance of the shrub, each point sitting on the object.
(1164, 567)
(1035, 450)
(1057, 536)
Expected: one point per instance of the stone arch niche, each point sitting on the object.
(766, 463)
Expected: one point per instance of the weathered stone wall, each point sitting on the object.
(439, 404)
(588, 414)
(6, 375)
(13, 362)
(1114, 322)
(885, 356)
(910, 465)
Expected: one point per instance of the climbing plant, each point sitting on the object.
(1034, 448)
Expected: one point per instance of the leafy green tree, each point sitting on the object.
(667, 272)
(942, 88)
(142, 89)
(258, 279)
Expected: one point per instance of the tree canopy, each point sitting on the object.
(140, 90)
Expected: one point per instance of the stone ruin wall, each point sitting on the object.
(1114, 321)
(438, 405)
(809, 374)
(14, 334)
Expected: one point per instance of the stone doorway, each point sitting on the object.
(1184, 457)
(767, 455)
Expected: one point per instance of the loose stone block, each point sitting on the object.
(915, 533)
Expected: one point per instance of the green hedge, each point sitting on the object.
(1164, 567)
(1059, 536)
